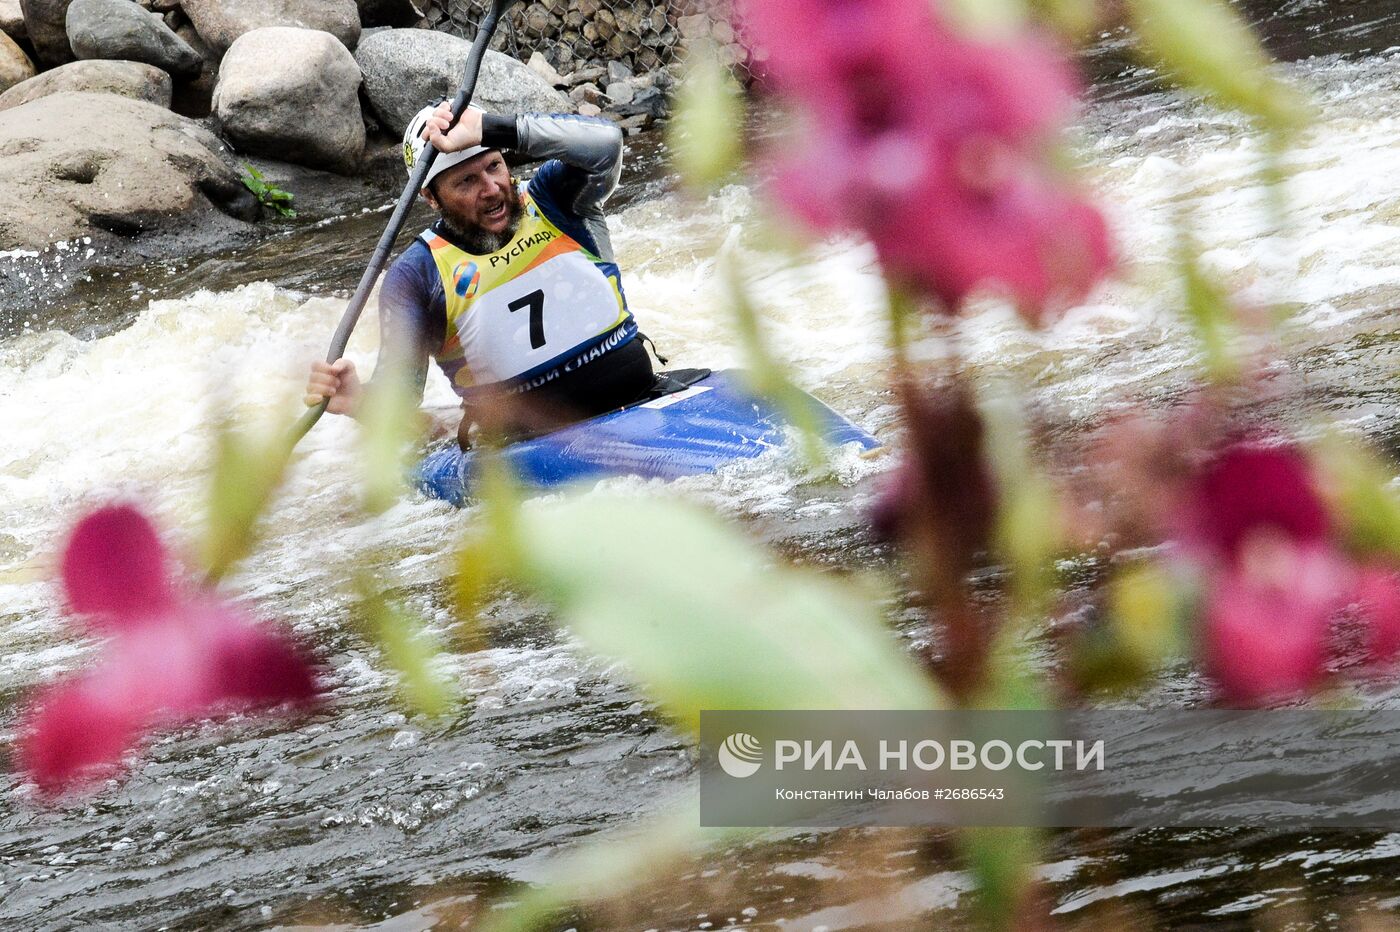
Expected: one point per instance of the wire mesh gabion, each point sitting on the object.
(644, 35)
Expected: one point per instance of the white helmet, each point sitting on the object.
(414, 144)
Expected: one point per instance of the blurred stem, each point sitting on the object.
(408, 648)
(767, 376)
(1207, 308)
(246, 472)
(500, 495)
(1274, 178)
(902, 317)
(1028, 530)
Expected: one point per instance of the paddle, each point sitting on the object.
(400, 214)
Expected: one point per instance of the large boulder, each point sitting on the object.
(385, 12)
(12, 19)
(45, 22)
(292, 94)
(147, 172)
(221, 22)
(15, 66)
(125, 78)
(122, 30)
(406, 69)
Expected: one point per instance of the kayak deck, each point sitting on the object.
(696, 430)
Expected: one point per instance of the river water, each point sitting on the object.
(362, 818)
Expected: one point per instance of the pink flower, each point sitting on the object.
(1250, 488)
(1379, 595)
(1268, 628)
(170, 659)
(1257, 524)
(933, 146)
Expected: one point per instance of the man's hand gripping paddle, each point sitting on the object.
(400, 214)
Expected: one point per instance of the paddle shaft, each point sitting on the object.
(396, 220)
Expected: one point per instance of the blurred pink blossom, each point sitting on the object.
(1278, 578)
(171, 659)
(933, 145)
(1268, 635)
(1252, 487)
(1379, 596)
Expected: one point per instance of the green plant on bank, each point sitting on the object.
(269, 195)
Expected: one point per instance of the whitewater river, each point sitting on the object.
(362, 818)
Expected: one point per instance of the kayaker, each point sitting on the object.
(514, 290)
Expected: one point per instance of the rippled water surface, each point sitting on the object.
(362, 818)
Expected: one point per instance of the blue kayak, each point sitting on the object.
(694, 429)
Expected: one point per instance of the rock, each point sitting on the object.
(544, 69)
(590, 110)
(617, 71)
(536, 21)
(120, 30)
(632, 125)
(220, 22)
(732, 54)
(292, 94)
(12, 20)
(389, 12)
(621, 92)
(407, 69)
(44, 23)
(587, 93)
(722, 32)
(694, 27)
(147, 171)
(15, 66)
(123, 78)
(605, 23)
(584, 75)
(647, 100)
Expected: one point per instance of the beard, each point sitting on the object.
(475, 239)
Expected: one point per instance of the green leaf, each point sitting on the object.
(268, 195)
(1000, 861)
(1073, 19)
(1145, 607)
(409, 650)
(1360, 485)
(705, 133)
(1205, 45)
(989, 19)
(246, 471)
(706, 620)
(611, 864)
(1145, 626)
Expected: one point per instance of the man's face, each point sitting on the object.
(478, 201)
